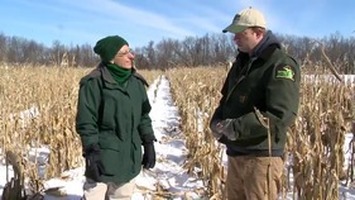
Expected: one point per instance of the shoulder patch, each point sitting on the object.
(285, 72)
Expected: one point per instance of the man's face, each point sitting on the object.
(124, 57)
(246, 40)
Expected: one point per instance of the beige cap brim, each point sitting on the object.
(234, 29)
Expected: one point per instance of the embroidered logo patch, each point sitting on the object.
(285, 73)
(242, 99)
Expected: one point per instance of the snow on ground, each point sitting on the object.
(168, 175)
(168, 172)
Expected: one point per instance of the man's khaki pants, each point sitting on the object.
(254, 178)
(108, 191)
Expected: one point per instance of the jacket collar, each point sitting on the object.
(268, 40)
(111, 83)
(106, 74)
(108, 80)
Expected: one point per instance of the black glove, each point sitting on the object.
(94, 165)
(149, 155)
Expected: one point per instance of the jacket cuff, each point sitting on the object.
(224, 140)
(92, 148)
(148, 138)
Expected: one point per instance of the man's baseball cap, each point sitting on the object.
(248, 17)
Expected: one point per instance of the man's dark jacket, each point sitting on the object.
(268, 81)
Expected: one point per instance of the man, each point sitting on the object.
(259, 102)
(113, 122)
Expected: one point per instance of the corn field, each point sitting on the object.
(49, 96)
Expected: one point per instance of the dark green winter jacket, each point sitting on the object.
(116, 119)
(267, 81)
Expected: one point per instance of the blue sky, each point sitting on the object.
(140, 21)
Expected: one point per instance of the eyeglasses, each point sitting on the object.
(124, 53)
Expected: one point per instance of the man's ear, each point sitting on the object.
(259, 34)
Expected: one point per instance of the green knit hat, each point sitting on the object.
(108, 47)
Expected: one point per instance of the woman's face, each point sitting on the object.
(124, 57)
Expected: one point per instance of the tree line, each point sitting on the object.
(208, 50)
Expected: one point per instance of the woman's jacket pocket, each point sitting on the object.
(110, 154)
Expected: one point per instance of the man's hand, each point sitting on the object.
(215, 131)
(224, 127)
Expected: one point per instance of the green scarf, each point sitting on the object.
(118, 73)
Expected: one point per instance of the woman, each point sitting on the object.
(113, 122)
